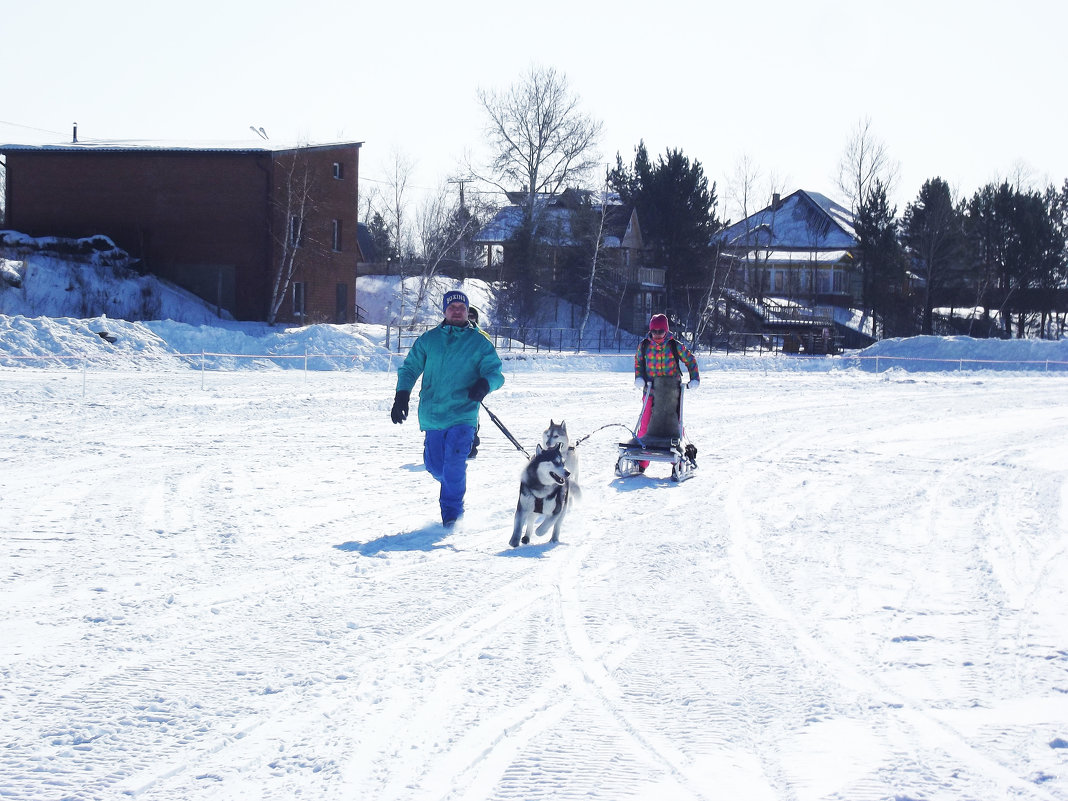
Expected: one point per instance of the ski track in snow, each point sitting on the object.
(240, 591)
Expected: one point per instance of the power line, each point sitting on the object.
(31, 128)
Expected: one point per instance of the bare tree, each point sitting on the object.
(864, 161)
(539, 137)
(746, 198)
(442, 228)
(395, 200)
(597, 246)
(371, 201)
(741, 186)
(292, 243)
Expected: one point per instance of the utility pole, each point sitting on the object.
(463, 219)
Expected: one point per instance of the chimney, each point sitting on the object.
(75, 140)
(775, 201)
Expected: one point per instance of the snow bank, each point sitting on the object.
(941, 353)
(47, 284)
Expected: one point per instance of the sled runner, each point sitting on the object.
(665, 437)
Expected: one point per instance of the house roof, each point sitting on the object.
(554, 215)
(157, 145)
(804, 220)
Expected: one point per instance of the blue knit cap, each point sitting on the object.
(452, 297)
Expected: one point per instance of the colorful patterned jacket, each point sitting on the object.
(653, 360)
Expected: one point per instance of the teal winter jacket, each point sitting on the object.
(450, 359)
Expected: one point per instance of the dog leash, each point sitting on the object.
(505, 431)
(497, 422)
(580, 440)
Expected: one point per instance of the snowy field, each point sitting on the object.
(230, 585)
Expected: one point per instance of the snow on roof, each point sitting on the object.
(144, 145)
(554, 221)
(801, 221)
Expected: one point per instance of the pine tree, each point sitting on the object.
(882, 265)
(933, 233)
(677, 212)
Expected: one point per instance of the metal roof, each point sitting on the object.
(156, 145)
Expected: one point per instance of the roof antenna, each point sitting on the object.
(75, 133)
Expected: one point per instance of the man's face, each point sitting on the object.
(456, 313)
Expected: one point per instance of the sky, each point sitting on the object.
(970, 96)
(231, 583)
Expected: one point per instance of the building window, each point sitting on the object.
(341, 303)
(299, 288)
(296, 231)
(337, 235)
(339, 170)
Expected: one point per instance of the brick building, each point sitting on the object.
(222, 221)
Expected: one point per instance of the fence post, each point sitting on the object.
(202, 368)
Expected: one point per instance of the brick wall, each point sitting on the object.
(207, 220)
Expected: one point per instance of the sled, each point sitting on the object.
(665, 437)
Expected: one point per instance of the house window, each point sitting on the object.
(296, 231)
(339, 170)
(299, 291)
(337, 235)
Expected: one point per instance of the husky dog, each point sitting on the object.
(556, 434)
(543, 489)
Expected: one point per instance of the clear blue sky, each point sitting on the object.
(969, 92)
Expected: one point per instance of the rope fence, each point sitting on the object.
(311, 361)
(881, 363)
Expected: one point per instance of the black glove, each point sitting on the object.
(479, 390)
(399, 413)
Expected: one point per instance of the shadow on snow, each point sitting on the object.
(426, 538)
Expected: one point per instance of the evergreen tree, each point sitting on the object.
(677, 213)
(380, 237)
(1017, 240)
(932, 228)
(882, 262)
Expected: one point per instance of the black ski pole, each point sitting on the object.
(506, 432)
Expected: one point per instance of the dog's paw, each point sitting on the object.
(526, 539)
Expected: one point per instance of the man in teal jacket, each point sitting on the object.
(459, 366)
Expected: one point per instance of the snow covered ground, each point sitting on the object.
(224, 579)
(230, 585)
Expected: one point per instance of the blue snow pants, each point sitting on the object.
(445, 456)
